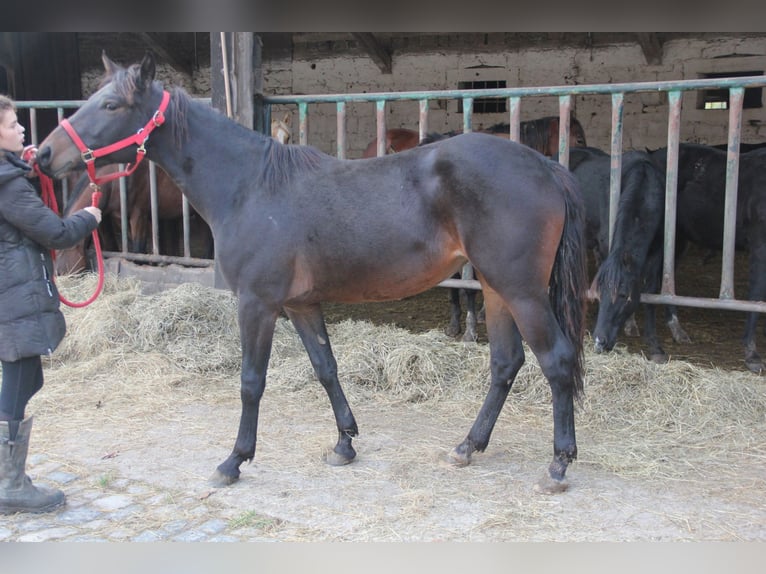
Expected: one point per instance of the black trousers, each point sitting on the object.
(21, 380)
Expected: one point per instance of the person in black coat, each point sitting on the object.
(31, 323)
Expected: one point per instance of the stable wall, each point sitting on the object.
(435, 67)
(645, 115)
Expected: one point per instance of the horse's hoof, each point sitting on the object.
(755, 366)
(659, 358)
(334, 459)
(219, 479)
(458, 459)
(470, 337)
(548, 485)
(452, 331)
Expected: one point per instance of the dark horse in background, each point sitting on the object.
(700, 216)
(295, 227)
(633, 265)
(541, 134)
(138, 205)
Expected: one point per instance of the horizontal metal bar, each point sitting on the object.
(701, 84)
(705, 303)
(168, 259)
(461, 284)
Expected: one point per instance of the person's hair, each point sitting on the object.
(6, 105)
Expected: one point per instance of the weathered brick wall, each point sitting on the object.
(442, 66)
(645, 114)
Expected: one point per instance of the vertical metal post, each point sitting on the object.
(186, 231)
(565, 108)
(615, 176)
(671, 192)
(303, 123)
(380, 122)
(124, 210)
(64, 184)
(153, 204)
(514, 105)
(341, 129)
(467, 271)
(467, 114)
(33, 124)
(423, 119)
(736, 96)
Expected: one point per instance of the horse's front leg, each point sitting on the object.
(256, 327)
(309, 323)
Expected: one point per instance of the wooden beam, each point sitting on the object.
(164, 49)
(379, 54)
(651, 44)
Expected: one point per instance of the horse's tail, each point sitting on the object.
(569, 279)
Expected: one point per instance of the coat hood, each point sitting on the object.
(12, 166)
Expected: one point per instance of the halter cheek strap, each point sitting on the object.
(139, 139)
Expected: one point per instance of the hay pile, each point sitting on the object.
(637, 418)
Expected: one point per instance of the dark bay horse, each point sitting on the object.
(700, 216)
(138, 205)
(541, 134)
(295, 227)
(633, 264)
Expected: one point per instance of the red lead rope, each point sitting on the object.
(49, 198)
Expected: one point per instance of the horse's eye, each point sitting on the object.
(111, 106)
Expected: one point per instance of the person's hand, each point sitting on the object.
(29, 154)
(94, 211)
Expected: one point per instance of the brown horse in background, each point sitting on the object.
(169, 211)
(541, 134)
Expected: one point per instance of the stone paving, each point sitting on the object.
(114, 509)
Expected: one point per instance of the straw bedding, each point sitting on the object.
(140, 353)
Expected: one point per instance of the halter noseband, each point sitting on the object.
(139, 139)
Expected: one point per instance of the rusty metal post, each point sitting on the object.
(341, 129)
(423, 119)
(671, 192)
(736, 96)
(380, 122)
(514, 107)
(565, 109)
(615, 176)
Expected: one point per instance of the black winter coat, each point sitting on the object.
(31, 322)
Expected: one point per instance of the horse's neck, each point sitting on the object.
(212, 148)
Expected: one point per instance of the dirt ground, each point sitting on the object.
(400, 487)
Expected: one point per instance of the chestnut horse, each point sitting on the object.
(296, 227)
(541, 134)
(169, 211)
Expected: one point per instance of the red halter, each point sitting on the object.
(139, 139)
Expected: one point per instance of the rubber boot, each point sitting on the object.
(17, 493)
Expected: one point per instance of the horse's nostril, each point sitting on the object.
(44, 156)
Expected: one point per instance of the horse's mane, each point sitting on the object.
(283, 160)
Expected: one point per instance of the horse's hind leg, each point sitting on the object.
(506, 358)
(311, 327)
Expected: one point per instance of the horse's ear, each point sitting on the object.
(287, 118)
(148, 69)
(109, 66)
